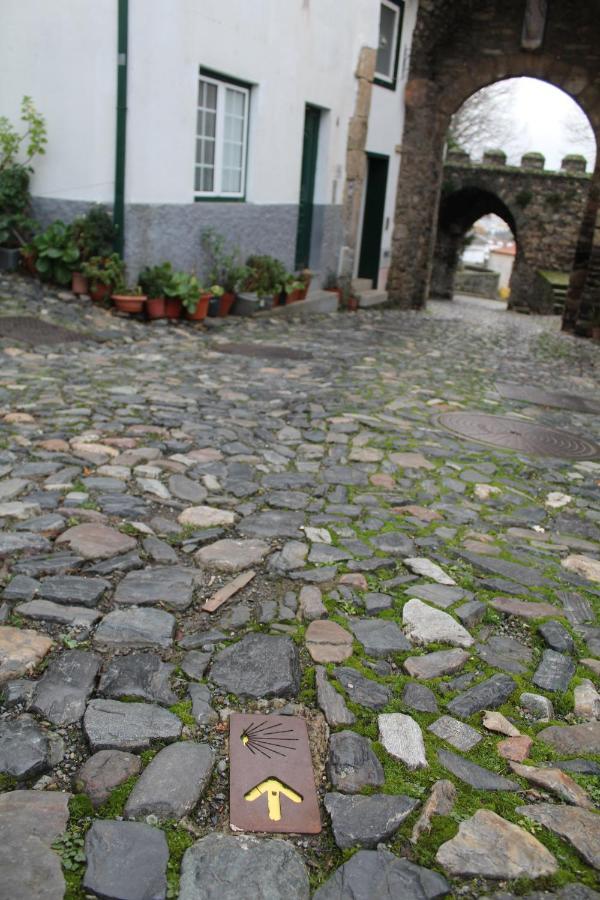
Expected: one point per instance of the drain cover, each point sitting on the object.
(540, 397)
(36, 331)
(514, 434)
(268, 351)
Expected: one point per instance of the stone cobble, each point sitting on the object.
(187, 533)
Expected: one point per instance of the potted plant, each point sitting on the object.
(16, 227)
(94, 235)
(305, 277)
(103, 273)
(129, 300)
(223, 268)
(184, 291)
(55, 253)
(294, 291)
(266, 277)
(155, 281)
(216, 298)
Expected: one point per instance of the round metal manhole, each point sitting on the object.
(515, 434)
(542, 397)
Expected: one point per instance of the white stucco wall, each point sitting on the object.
(386, 124)
(62, 53)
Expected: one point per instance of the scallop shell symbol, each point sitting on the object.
(268, 739)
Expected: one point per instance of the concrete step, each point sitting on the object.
(371, 298)
(361, 284)
(316, 302)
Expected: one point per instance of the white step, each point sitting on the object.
(361, 284)
(372, 298)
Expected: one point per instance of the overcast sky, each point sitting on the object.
(544, 118)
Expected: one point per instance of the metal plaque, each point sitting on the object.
(272, 785)
(541, 397)
(266, 351)
(36, 331)
(516, 434)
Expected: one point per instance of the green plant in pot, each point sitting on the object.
(16, 225)
(185, 290)
(266, 277)
(294, 290)
(94, 235)
(223, 268)
(129, 300)
(155, 281)
(56, 253)
(104, 273)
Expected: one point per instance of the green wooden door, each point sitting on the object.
(370, 245)
(307, 185)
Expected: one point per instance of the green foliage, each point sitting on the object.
(184, 287)
(155, 280)
(94, 233)
(56, 253)
(15, 224)
(178, 841)
(7, 783)
(183, 710)
(523, 198)
(266, 276)
(104, 270)
(223, 264)
(33, 137)
(115, 804)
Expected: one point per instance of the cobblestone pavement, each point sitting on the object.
(427, 604)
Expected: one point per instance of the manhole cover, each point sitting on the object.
(540, 397)
(36, 331)
(514, 434)
(268, 351)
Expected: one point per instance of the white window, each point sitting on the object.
(390, 23)
(221, 138)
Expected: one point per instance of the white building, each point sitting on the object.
(237, 117)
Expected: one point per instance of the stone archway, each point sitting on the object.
(458, 48)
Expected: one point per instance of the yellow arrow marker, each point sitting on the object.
(273, 788)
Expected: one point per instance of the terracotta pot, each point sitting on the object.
(128, 303)
(172, 308)
(352, 304)
(155, 307)
(98, 291)
(79, 283)
(226, 301)
(28, 263)
(201, 309)
(303, 293)
(293, 297)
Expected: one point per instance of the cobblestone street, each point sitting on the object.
(267, 516)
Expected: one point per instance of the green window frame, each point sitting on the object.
(391, 16)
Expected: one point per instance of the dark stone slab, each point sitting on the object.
(352, 764)
(580, 766)
(366, 821)
(126, 860)
(376, 603)
(362, 690)
(371, 874)
(172, 784)
(20, 588)
(194, 664)
(379, 637)
(395, 543)
(476, 776)
(577, 609)
(442, 595)
(57, 564)
(23, 542)
(419, 697)
(109, 724)
(488, 694)
(271, 524)
(573, 739)
(557, 637)
(506, 653)
(240, 867)
(73, 589)
(471, 613)
(555, 671)
(126, 562)
(141, 675)
(523, 575)
(331, 702)
(259, 665)
(577, 826)
(135, 628)
(26, 750)
(172, 586)
(63, 690)
(202, 711)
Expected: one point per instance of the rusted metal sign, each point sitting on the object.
(272, 785)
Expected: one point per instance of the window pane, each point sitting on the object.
(206, 126)
(233, 141)
(387, 32)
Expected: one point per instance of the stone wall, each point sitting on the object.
(543, 208)
(459, 47)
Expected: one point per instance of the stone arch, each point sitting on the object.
(458, 48)
(459, 210)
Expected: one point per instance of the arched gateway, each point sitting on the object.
(459, 47)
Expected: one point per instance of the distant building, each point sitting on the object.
(261, 119)
(502, 259)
